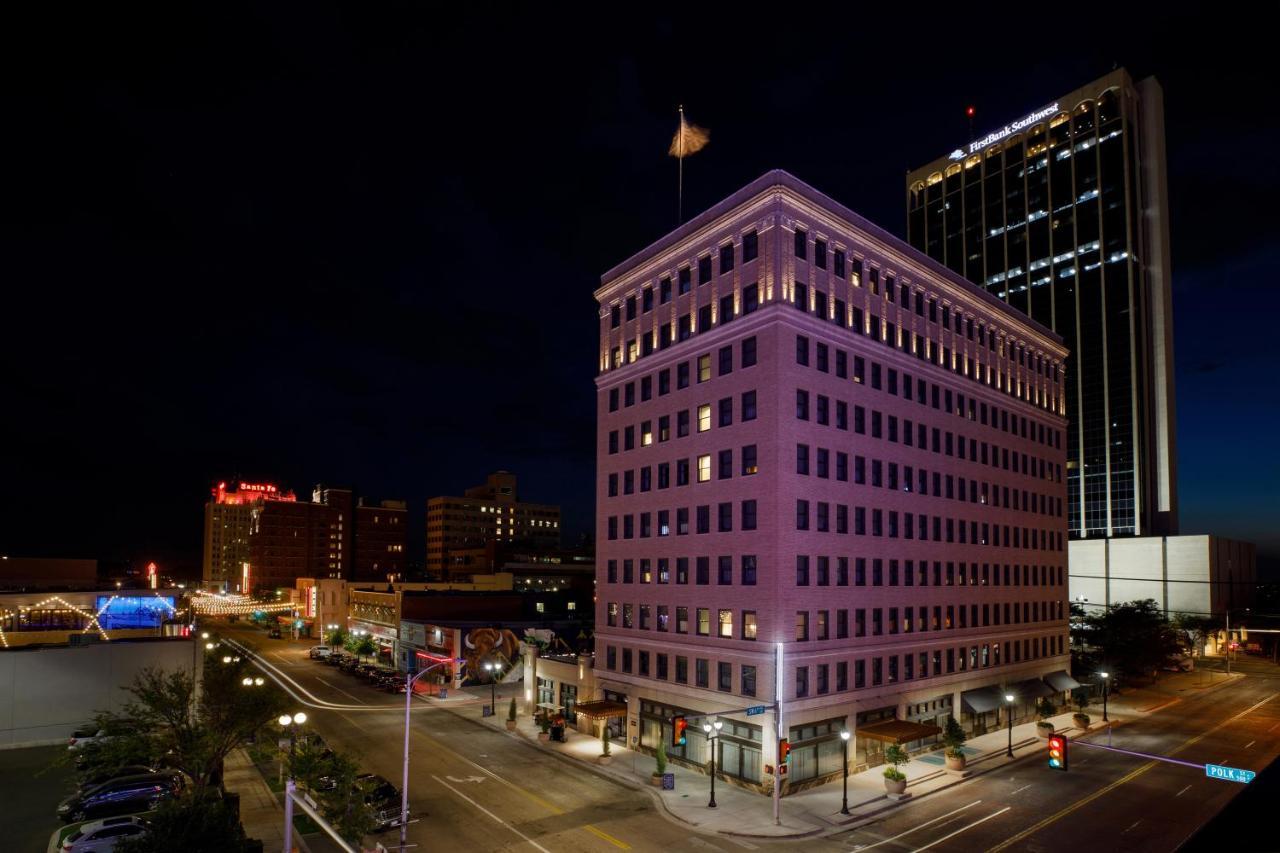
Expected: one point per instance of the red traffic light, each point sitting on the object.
(678, 725)
(1058, 752)
(969, 111)
(784, 751)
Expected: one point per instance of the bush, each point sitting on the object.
(894, 756)
(511, 710)
(1046, 709)
(953, 738)
(604, 740)
(660, 758)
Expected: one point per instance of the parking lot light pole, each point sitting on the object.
(409, 679)
(1008, 712)
(291, 723)
(712, 730)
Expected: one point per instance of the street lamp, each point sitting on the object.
(290, 723)
(254, 682)
(210, 646)
(712, 730)
(1105, 676)
(494, 669)
(1008, 712)
(844, 799)
(226, 658)
(409, 679)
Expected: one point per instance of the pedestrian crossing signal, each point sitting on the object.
(1058, 752)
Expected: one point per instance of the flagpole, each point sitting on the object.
(680, 182)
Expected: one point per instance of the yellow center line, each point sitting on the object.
(551, 807)
(1032, 830)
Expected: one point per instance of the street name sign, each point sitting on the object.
(1230, 774)
(755, 709)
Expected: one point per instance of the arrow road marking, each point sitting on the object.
(465, 779)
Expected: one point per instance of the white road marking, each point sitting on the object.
(1273, 728)
(963, 829)
(491, 814)
(1131, 826)
(1023, 788)
(920, 826)
(339, 689)
(1183, 791)
(1249, 744)
(465, 779)
(748, 845)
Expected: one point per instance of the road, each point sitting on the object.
(1105, 801)
(474, 788)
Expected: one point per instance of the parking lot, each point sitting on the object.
(30, 790)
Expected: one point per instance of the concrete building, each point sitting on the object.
(1063, 214)
(460, 529)
(228, 521)
(47, 573)
(1196, 575)
(830, 482)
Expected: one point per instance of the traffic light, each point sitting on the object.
(1058, 752)
(678, 725)
(784, 751)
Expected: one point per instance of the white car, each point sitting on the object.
(84, 736)
(319, 652)
(101, 836)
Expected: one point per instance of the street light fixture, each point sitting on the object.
(844, 799)
(409, 679)
(494, 668)
(1105, 677)
(210, 646)
(1008, 713)
(712, 731)
(291, 723)
(226, 658)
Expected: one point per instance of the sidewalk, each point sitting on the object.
(817, 810)
(261, 812)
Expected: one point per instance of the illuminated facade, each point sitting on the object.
(228, 519)
(830, 474)
(1064, 215)
(459, 529)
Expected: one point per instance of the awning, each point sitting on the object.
(897, 731)
(1031, 690)
(983, 699)
(600, 709)
(1061, 681)
(549, 706)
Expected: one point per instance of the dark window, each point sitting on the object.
(749, 352)
(686, 280)
(664, 291)
(749, 405)
(750, 298)
(726, 258)
(704, 269)
(801, 244)
(820, 254)
(750, 246)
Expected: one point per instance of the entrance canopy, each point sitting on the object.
(1061, 681)
(600, 709)
(1031, 690)
(898, 731)
(983, 699)
(549, 706)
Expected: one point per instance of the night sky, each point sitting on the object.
(358, 246)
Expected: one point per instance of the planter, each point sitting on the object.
(511, 725)
(1081, 720)
(895, 786)
(955, 762)
(544, 736)
(655, 780)
(1044, 730)
(604, 760)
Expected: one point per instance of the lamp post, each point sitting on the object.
(1105, 676)
(409, 679)
(712, 730)
(291, 724)
(494, 668)
(1008, 713)
(844, 799)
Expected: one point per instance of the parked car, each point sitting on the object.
(107, 775)
(392, 684)
(101, 836)
(274, 633)
(125, 795)
(349, 665)
(369, 672)
(383, 797)
(84, 736)
(335, 658)
(319, 652)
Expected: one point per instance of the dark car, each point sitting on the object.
(336, 658)
(349, 665)
(125, 795)
(392, 684)
(274, 633)
(98, 778)
(369, 672)
(383, 798)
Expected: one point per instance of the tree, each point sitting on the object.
(511, 710)
(605, 735)
(660, 758)
(953, 738)
(361, 646)
(1133, 638)
(895, 756)
(336, 637)
(191, 823)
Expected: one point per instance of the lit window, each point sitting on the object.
(704, 417)
(726, 623)
(704, 468)
(646, 433)
(704, 367)
(542, 608)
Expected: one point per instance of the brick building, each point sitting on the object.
(831, 476)
(462, 531)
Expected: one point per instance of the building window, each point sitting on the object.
(704, 621)
(704, 417)
(726, 624)
(704, 468)
(802, 625)
(750, 246)
(704, 367)
(748, 680)
(748, 353)
(748, 624)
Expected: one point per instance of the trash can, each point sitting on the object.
(557, 733)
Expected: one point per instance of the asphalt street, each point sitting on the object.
(474, 788)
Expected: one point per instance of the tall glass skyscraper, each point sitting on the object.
(1063, 214)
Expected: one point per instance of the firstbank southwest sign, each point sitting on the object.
(1007, 130)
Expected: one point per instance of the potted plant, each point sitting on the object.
(895, 781)
(953, 738)
(660, 762)
(511, 715)
(1044, 710)
(1081, 719)
(544, 723)
(604, 757)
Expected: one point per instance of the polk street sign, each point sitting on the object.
(1230, 774)
(754, 710)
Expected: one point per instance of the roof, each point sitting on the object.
(779, 179)
(898, 731)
